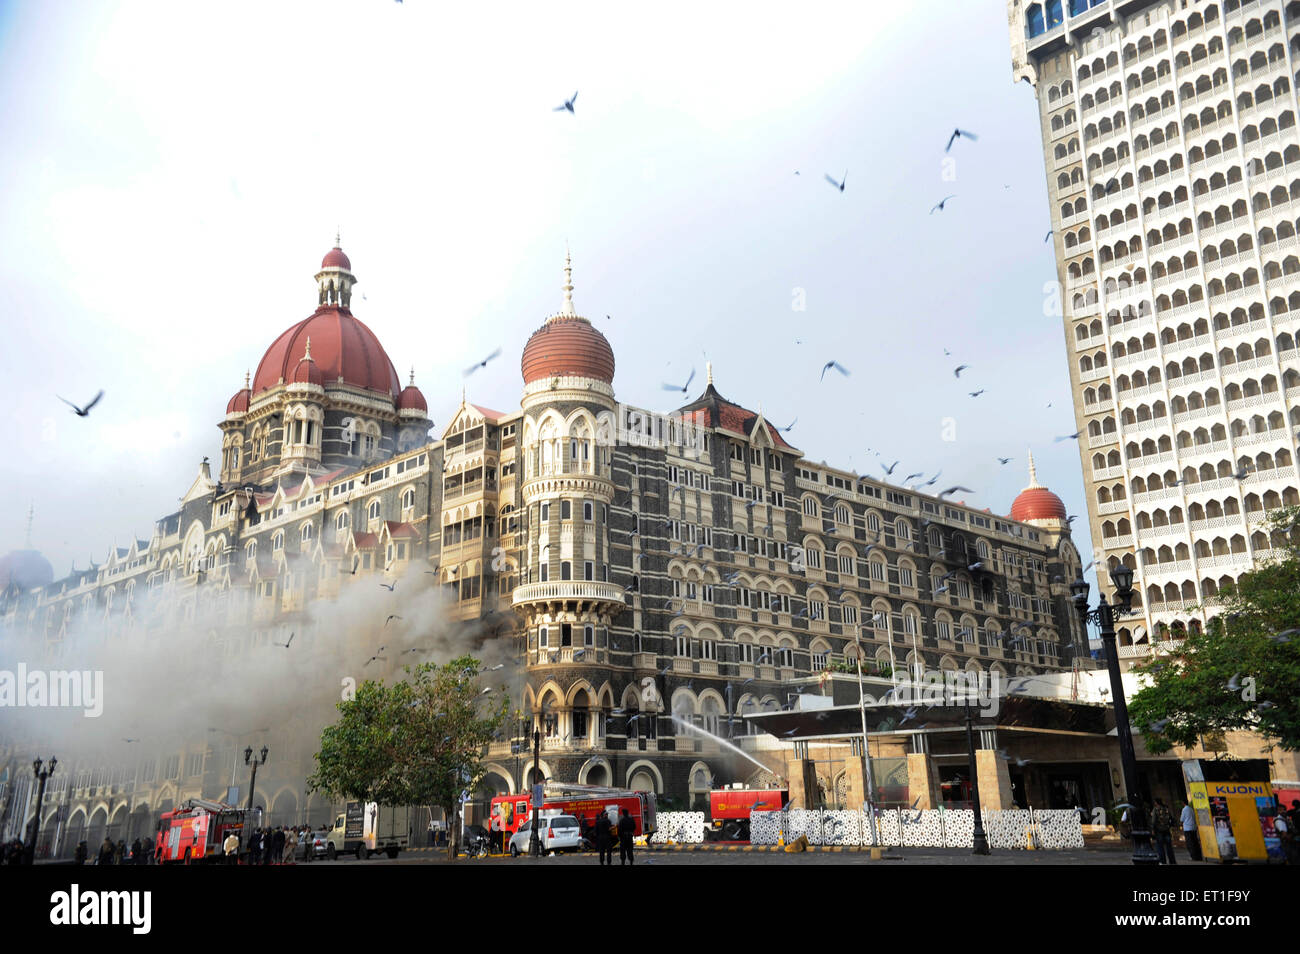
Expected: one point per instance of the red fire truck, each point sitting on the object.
(729, 810)
(195, 830)
(585, 802)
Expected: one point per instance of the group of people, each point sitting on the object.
(140, 852)
(605, 835)
(267, 846)
(1286, 823)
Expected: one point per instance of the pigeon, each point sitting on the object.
(956, 134)
(890, 469)
(977, 393)
(786, 429)
(130, 740)
(839, 185)
(389, 586)
(1159, 725)
(909, 477)
(285, 644)
(391, 617)
(482, 364)
(953, 490)
(373, 658)
(682, 389)
(1068, 437)
(837, 366)
(959, 369)
(1284, 636)
(938, 206)
(1005, 460)
(1267, 705)
(1047, 236)
(1242, 473)
(568, 103)
(82, 411)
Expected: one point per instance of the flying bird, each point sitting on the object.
(837, 366)
(673, 387)
(890, 469)
(568, 103)
(953, 490)
(389, 586)
(1005, 460)
(839, 185)
(391, 617)
(956, 372)
(1068, 437)
(285, 645)
(81, 411)
(787, 428)
(909, 477)
(1047, 236)
(938, 206)
(373, 658)
(482, 364)
(959, 134)
(977, 393)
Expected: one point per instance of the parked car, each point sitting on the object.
(556, 833)
(312, 845)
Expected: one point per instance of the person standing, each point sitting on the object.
(137, 852)
(231, 847)
(255, 847)
(290, 846)
(626, 829)
(1191, 837)
(106, 852)
(604, 836)
(1162, 823)
(150, 857)
(79, 857)
(276, 852)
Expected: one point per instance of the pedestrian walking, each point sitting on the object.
(626, 829)
(106, 852)
(606, 834)
(255, 847)
(79, 856)
(1191, 837)
(290, 846)
(137, 852)
(1162, 823)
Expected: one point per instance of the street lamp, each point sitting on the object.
(535, 843)
(35, 831)
(249, 760)
(1104, 616)
(980, 841)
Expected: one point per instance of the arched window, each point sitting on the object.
(342, 521)
(373, 510)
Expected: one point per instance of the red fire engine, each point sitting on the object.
(195, 830)
(585, 802)
(729, 810)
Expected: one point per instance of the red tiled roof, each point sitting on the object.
(488, 413)
(342, 347)
(335, 258)
(567, 345)
(396, 529)
(1037, 503)
(365, 541)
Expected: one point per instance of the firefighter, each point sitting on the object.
(626, 829)
(605, 839)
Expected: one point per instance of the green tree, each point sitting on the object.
(1243, 672)
(416, 742)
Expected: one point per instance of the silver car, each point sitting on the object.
(556, 833)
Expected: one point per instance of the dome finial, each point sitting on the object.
(338, 238)
(306, 356)
(1033, 474)
(708, 372)
(567, 308)
(246, 379)
(412, 374)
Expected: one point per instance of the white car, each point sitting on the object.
(556, 832)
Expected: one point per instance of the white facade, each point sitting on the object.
(1173, 169)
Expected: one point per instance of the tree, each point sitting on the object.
(417, 742)
(1243, 672)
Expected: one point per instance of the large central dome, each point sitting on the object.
(342, 347)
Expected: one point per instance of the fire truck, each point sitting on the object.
(195, 830)
(585, 802)
(729, 810)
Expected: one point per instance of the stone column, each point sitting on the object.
(994, 779)
(922, 780)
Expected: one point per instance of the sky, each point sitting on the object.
(172, 175)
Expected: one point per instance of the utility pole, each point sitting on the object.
(535, 843)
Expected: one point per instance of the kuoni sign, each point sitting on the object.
(1235, 810)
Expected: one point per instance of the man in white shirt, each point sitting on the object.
(231, 847)
(1190, 835)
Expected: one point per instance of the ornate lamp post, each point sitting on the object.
(35, 831)
(534, 843)
(249, 760)
(1104, 616)
(980, 841)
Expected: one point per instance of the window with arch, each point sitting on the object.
(342, 521)
(373, 510)
(408, 499)
(810, 506)
(277, 541)
(307, 532)
(873, 523)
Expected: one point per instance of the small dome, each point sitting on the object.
(1036, 502)
(308, 372)
(411, 399)
(24, 569)
(335, 258)
(239, 403)
(567, 345)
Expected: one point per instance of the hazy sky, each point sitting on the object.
(171, 175)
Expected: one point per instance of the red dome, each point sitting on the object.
(335, 258)
(239, 402)
(341, 347)
(412, 400)
(567, 345)
(1037, 503)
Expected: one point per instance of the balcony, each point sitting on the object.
(569, 591)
